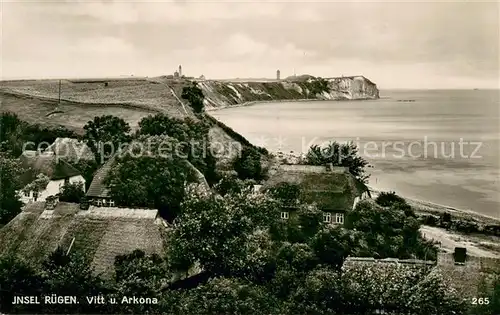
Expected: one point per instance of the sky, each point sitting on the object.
(395, 44)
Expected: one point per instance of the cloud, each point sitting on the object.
(171, 11)
(457, 41)
(103, 45)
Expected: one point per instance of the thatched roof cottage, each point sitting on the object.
(98, 234)
(59, 173)
(333, 189)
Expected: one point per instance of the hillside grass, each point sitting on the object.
(38, 101)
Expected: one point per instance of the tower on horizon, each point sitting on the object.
(180, 70)
(278, 74)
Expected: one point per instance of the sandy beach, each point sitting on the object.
(213, 109)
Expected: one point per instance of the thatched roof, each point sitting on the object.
(332, 189)
(47, 163)
(464, 279)
(98, 188)
(99, 234)
(71, 150)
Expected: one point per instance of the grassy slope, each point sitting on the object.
(37, 101)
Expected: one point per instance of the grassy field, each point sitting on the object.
(37, 101)
(68, 114)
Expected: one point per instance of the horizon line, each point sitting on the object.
(124, 76)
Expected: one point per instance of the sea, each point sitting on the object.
(440, 146)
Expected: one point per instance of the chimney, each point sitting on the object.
(51, 202)
(460, 255)
(329, 167)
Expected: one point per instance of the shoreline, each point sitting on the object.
(423, 205)
(436, 207)
(420, 205)
(250, 103)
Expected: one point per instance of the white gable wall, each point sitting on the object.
(53, 188)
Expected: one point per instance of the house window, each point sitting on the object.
(35, 195)
(111, 203)
(99, 202)
(66, 181)
(27, 193)
(284, 215)
(339, 218)
(327, 217)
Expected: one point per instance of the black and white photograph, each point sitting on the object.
(250, 157)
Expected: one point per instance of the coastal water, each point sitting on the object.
(442, 147)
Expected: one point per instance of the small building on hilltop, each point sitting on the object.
(99, 234)
(58, 171)
(332, 189)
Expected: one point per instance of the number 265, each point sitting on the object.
(480, 301)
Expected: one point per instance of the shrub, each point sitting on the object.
(72, 192)
(194, 95)
(387, 199)
(248, 165)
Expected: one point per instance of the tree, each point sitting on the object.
(60, 278)
(332, 245)
(138, 274)
(10, 205)
(489, 288)
(72, 192)
(248, 165)
(184, 130)
(320, 293)
(193, 137)
(387, 199)
(221, 233)
(212, 234)
(154, 179)
(337, 154)
(105, 135)
(495, 296)
(11, 134)
(39, 184)
(141, 274)
(389, 232)
(380, 286)
(194, 95)
(16, 133)
(228, 296)
(302, 225)
(230, 184)
(87, 169)
(18, 278)
(432, 296)
(299, 257)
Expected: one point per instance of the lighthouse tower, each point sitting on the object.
(278, 74)
(180, 70)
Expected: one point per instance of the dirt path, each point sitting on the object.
(450, 240)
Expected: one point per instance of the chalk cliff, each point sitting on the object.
(220, 94)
